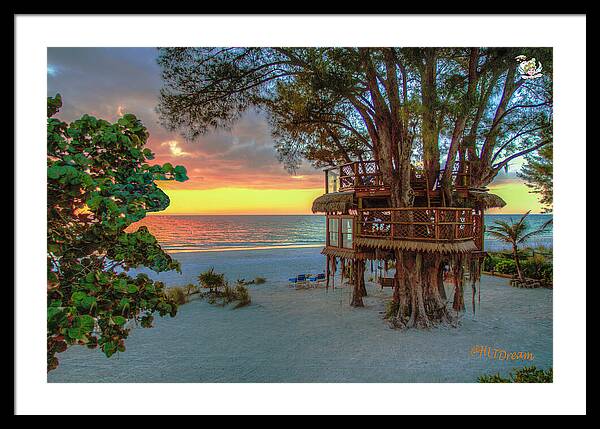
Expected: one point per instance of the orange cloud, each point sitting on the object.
(175, 149)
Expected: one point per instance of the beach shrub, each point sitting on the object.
(521, 375)
(506, 266)
(99, 183)
(228, 295)
(538, 267)
(242, 296)
(536, 263)
(211, 280)
(220, 292)
(491, 260)
(546, 275)
(177, 294)
(259, 280)
(190, 289)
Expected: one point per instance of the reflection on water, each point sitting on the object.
(231, 232)
(218, 232)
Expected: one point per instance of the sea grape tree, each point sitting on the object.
(99, 183)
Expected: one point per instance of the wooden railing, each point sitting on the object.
(366, 175)
(418, 223)
(360, 175)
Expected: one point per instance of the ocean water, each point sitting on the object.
(197, 233)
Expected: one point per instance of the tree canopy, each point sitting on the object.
(436, 106)
(99, 183)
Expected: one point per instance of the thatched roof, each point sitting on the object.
(486, 200)
(340, 253)
(346, 253)
(418, 246)
(333, 202)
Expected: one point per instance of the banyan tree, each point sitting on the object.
(362, 225)
(410, 139)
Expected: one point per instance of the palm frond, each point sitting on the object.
(501, 224)
(501, 236)
(536, 232)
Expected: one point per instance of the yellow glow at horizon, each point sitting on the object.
(299, 201)
(241, 201)
(518, 198)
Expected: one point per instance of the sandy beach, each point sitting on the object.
(289, 335)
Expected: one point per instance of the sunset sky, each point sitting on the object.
(231, 172)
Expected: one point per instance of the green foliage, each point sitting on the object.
(522, 375)
(514, 233)
(242, 296)
(259, 280)
(227, 295)
(190, 289)
(490, 262)
(99, 183)
(221, 292)
(538, 267)
(211, 280)
(506, 266)
(329, 104)
(536, 263)
(177, 295)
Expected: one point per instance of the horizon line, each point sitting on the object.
(289, 214)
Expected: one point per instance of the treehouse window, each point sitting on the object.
(333, 232)
(347, 233)
(333, 181)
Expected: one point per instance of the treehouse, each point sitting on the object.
(362, 225)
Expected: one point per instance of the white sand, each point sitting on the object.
(289, 335)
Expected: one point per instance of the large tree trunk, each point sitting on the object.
(458, 303)
(358, 281)
(417, 292)
(440, 281)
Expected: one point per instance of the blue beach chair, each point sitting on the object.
(292, 281)
(301, 280)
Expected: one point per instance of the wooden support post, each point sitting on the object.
(327, 274)
(327, 230)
